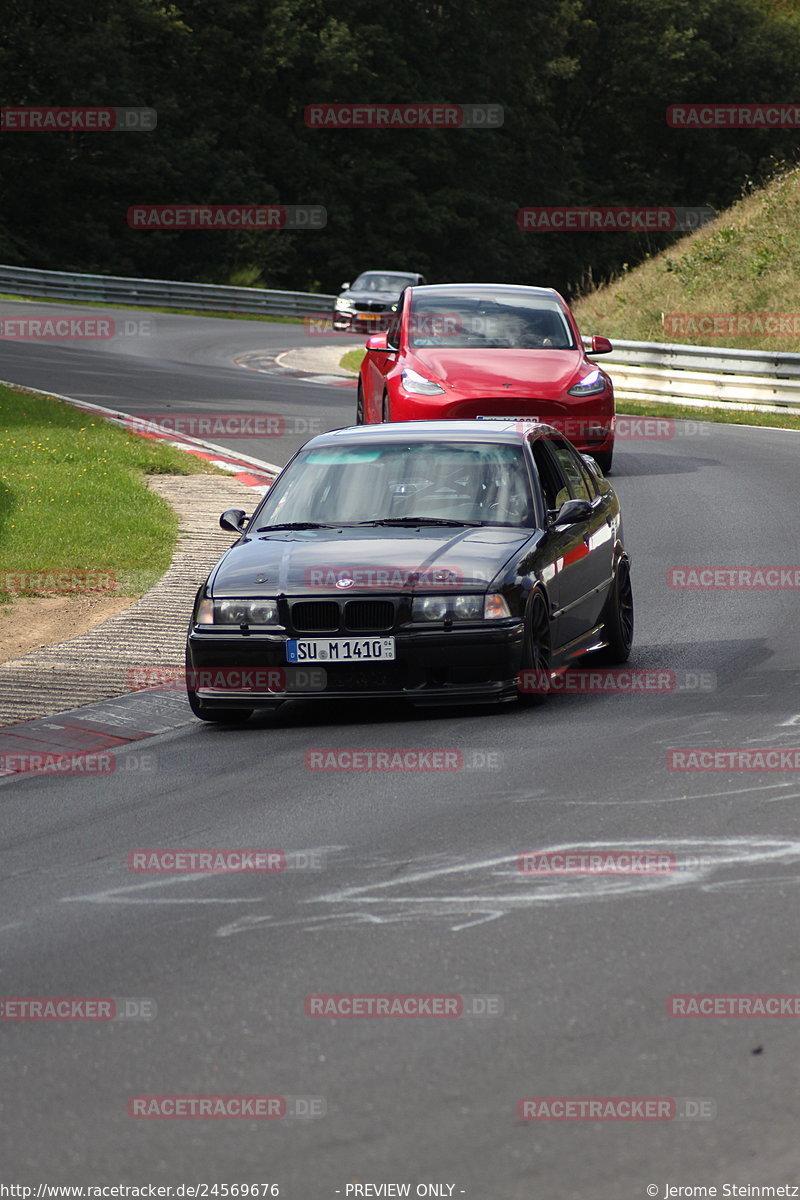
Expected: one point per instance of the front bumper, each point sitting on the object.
(432, 667)
(361, 322)
(589, 424)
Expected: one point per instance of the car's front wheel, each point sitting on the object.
(534, 679)
(618, 616)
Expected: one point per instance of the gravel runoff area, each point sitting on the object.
(151, 633)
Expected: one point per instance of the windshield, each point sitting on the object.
(469, 483)
(511, 321)
(376, 281)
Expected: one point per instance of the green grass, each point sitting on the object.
(747, 261)
(720, 416)
(73, 494)
(351, 361)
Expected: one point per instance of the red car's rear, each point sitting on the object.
(485, 351)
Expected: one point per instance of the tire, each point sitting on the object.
(360, 419)
(618, 617)
(604, 460)
(536, 651)
(386, 416)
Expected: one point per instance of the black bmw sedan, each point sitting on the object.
(440, 562)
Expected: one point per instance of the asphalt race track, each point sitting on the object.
(417, 887)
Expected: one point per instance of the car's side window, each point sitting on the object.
(393, 332)
(581, 485)
(555, 488)
(591, 481)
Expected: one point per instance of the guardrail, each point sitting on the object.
(161, 293)
(703, 374)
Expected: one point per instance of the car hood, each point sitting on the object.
(309, 562)
(549, 372)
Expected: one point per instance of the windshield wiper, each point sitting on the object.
(419, 521)
(295, 525)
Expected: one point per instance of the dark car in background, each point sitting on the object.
(367, 305)
(439, 562)
(477, 350)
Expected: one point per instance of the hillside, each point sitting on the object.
(745, 263)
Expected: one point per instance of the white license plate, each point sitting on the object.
(333, 650)
(534, 420)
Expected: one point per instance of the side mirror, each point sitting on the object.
(233, 519)
(600, 345)
(378, 341)
(345, 286)
(572, 512)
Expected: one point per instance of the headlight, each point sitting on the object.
(414, 382)
(245, 612)
(430, 608)
(467, 608)
(341, 304)
(590, 385)
(460, 608)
